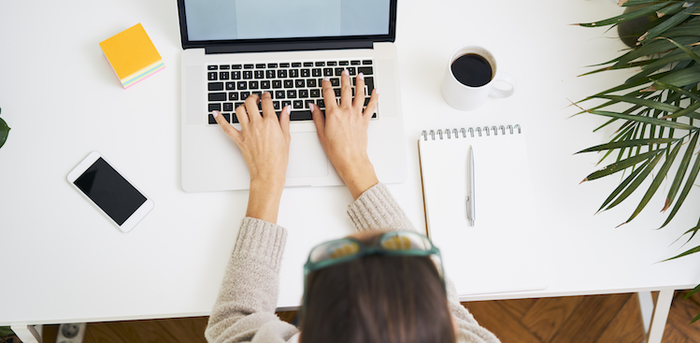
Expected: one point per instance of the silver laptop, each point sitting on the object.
(236, 48)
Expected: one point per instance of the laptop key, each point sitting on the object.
(242, 85)
(236, 66)
(298, 104)
(212, 76)
(311, 83)
(265, 84)
(259, 74)
(217, 96)
(260, 66)
(369, 83)
(339, 71)
(238, 104)
(352, 71)
(366, 62)
(284, 65)
(316, 72)
(291, 94)
(300, 115)
(272, 65)
(270, 74)
(245, 95)
(216, 86)
(234, 118)
(212, 67)
(286, 103)
(280, 94)
(228, 106)
(288, 84)
(355, 63)
(296, 65)
(276, 105)
(232, 96)
(343, 63)
(223, 75)
(248, 66)
(320, 64)
(332, 64)
(211, 119)
(365, 70)
(315, 93)
(214, 106)
(247, 75)
(230, 86)
(305, 72)
(308, 64)
(282, 74)
(335, 82)
(224, 67)
(299, 83)
(303, 93)
(276, 84)
(327, 71)
(253, 85)
(294, 73)
(307, 102)
(235, 75)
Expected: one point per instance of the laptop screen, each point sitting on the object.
(231, 20)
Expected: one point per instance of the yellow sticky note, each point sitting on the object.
(132, 55)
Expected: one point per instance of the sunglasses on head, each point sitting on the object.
(393, 243)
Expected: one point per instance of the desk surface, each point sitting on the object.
(64, 262)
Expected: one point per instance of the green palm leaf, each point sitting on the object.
(682, 168)
(622, 165)
(656, 183)
(636, 182)
(684, 193)
(626, 16)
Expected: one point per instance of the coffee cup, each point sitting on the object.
(470, 77)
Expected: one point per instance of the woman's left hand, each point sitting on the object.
(263, 139)
(264, 142)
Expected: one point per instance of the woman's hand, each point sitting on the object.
(343, 132)
(264, 142)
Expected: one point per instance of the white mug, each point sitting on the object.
(464, 97)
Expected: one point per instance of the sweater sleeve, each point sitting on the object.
(245, 307)
(376, 209)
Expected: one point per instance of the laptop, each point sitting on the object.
(235, 48)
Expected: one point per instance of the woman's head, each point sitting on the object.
(377, 298)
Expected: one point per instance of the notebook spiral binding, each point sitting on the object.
(473, 132)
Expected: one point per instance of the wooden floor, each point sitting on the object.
(583, 319)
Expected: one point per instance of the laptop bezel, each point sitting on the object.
(231, 44)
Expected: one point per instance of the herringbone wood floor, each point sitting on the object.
(583, 319)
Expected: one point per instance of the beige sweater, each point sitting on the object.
(245, 308)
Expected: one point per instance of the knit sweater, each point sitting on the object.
(245, 307)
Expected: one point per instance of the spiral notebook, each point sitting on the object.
(502, 251)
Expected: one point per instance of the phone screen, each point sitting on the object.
(110, 191)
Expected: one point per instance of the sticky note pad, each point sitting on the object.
(132, 55)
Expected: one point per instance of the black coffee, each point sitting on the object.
(472, 70)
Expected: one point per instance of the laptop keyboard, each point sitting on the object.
(296, 84)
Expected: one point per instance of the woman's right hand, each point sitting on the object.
(343, 132)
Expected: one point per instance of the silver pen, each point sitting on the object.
(471, 208)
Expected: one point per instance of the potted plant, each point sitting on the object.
(656, 111)
(4, 131)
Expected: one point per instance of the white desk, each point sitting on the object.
(59, 95)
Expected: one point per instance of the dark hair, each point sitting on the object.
(377, 298)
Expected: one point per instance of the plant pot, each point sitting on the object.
(630, 30)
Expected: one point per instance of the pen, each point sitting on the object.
(471, 209)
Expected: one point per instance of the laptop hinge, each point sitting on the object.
(287, 46)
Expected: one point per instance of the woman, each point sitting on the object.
(382, 284)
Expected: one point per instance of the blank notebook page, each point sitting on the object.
(501, 252)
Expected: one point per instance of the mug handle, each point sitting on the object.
(503, 93)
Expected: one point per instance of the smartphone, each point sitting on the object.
(110, 191)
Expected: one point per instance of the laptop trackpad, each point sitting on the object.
(306, 156)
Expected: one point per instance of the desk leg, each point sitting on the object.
(27, 333)
(646, 305)
(658, 322)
